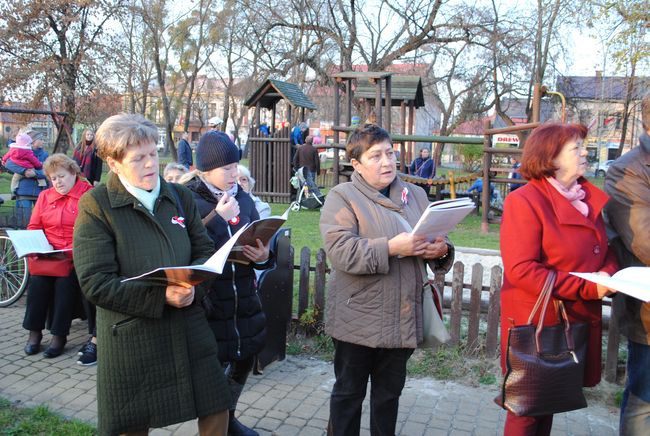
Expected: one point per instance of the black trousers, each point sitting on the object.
(91, 315)
(353, 364)
(237, 373)
(55, 297)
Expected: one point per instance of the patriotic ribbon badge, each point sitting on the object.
(234, 221)
(178, 220)
(405, 193)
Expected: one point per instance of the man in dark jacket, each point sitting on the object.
(185, 152)
(307, 158)
(628, 220)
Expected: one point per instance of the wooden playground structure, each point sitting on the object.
(376, 93)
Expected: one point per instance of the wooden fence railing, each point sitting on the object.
(471, 310)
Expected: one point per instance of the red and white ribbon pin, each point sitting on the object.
(178, 220)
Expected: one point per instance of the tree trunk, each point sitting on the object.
(626, 107)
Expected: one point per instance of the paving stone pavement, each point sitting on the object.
(290, 398)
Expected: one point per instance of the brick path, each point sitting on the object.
(290, 398)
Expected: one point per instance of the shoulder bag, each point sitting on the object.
(544, 364)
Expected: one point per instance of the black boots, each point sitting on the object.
(236, 428)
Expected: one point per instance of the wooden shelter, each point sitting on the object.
(270, 156)
(383, 91)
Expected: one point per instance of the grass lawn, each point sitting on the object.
(17, 421)
(305, 231)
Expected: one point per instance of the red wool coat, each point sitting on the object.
(540, 231)
(55, 215)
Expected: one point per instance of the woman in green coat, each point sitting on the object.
(159, 363)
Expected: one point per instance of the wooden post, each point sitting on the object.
(303, 284)
(402, 145)
(337, 135)
(494, 306)
(350, 96)
(474, 308)
(388, 124)
(537, 99)
(273, 113)
(289, 117)
(487, 161)
(378, 119)
(456, 302)
(258, 106)
(410, 145)
(319, 283)
(613, 340)
(302, 114)
(452, 185)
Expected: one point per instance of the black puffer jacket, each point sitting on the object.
(237, 321)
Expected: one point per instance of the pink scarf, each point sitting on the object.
(574, 194)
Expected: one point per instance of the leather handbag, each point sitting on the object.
(544, 364)
(52, 266)
(435, 333)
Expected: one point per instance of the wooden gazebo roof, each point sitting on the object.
(272, 91)
(403, 88)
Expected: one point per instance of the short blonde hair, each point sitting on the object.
(60, 161)
(121, 131)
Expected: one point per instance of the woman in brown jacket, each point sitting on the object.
(374, 304)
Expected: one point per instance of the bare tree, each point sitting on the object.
(49, 49)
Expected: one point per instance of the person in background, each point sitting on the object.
(21, 153)
(374, 304)
(173, 172)
(554, 222)
(264, 129)
(185, 152)
(158, 359)
(53, 286)
(423, 166)
(306, 157)
(515, 174)
(85, 154)
(33, 181)
(247, 183)
(235, 312)
(628, 216)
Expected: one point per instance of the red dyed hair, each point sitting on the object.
(544, 144)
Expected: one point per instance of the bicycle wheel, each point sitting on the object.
(13, 273)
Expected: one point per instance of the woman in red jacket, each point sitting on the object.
(554, 223)
(53, 286)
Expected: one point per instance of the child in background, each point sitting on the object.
(21, 153)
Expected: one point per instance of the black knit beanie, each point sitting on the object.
(215, 150)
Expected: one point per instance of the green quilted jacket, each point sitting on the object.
(157, 364)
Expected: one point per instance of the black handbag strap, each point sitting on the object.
(544, 297)
(543, 300)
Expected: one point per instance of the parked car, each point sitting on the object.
(600, 169)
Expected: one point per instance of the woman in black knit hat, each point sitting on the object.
(234, 310)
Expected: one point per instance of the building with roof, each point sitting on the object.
(598, 101)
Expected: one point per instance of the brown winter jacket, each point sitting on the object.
(628, 221)
(373, 299)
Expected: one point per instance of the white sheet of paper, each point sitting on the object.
(31, 242)
(442, 217)
(633, 281)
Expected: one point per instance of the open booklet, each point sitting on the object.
(633, 281)
(190, 275)
(33, 242)
(441, 217)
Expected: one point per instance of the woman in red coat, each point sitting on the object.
(554, 222)
(53, 285)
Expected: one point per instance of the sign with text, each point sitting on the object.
(505, 139)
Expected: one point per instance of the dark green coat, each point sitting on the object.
(157, 364)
